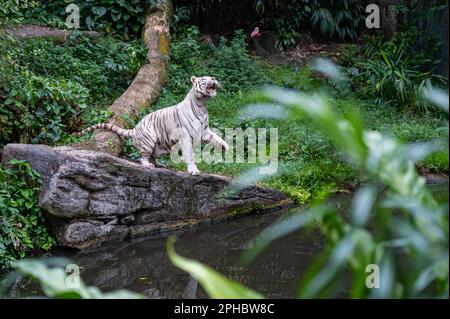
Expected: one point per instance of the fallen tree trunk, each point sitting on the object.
(148, 82)
(26, 31)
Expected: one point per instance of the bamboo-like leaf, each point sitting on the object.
(314, 284)
(265, 111)
(329, 69)
(54, 283)
(282, 228)
(436, 96)
(362, 206)
(215, 284)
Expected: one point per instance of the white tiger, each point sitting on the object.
(158, 132)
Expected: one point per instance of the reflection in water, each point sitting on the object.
(142, 265)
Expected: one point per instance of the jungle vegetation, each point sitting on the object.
(355, 131)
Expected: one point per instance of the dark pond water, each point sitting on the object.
(143, 266)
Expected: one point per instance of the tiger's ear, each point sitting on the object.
(193, 79)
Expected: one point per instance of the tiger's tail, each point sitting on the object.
(108, 127)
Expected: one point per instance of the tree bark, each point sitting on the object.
(26, 31)
(147, 84)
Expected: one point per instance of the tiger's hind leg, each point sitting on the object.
(145, 142)
(146, 150)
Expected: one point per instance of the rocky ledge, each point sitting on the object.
(94, 197)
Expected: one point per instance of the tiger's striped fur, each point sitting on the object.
(108, 127)
(183, 123)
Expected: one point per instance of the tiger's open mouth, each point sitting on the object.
(211, 88)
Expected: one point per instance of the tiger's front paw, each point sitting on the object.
(193, 170)
(145, 162)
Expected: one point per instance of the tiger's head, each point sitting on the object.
(204, 86)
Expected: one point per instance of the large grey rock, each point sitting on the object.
(93, 197)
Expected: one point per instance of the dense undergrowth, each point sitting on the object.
(341, 20)
(48, 91)
(23, 229)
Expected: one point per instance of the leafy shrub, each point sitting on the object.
(395, 74)
(22, 225)
(180, 16)
(335, 19)
(105, 64)
(349, 54)
(111, 16)
(45, 88)
(288, 18)
(185, 60)
(125, 17)
(340, 19)
(44, 108)
(229, 62)
(12, 11)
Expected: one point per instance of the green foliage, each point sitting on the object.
(395, 223)
(180, 17)
(349, 55)
(390, 72)
(340, 19)
(22, 225)
(289, 23)
(46, 106)
(395, 71)
(111, 16)
(289, 19)
(124, 17)
(229, 62)
(185, 53)
(12, 11)
(333, 19)
(58, 284)
(233, 65)
(47, 91)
